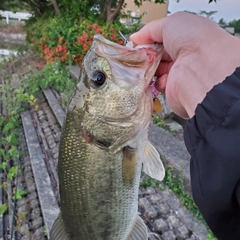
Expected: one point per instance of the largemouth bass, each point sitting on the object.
(104, 144)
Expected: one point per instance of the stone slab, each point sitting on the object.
(75, 72)
(55, 106)
(174, 153)
(49, 206)
(174, 126)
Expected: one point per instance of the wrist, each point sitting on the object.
(219, 61)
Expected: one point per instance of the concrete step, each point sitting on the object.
(49, 205)
(55, 106)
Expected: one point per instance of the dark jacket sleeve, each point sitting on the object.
(212, 138)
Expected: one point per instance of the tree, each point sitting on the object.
(207, 14)
(190, 12)
(55, 5)
(11, 5)
(235, 24)
(222, 22)
(107, 10)
(110, 9)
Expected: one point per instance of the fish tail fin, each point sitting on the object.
(58, 231)
(138, 231)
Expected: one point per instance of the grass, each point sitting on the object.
(160, 123)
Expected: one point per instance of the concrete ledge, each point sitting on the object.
(55, 106)
(174, 153)
(49, 206)
(74, 72)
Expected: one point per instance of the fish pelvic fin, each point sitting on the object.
(129, 166)
(138, 231)
(58, 231)
(152, 163)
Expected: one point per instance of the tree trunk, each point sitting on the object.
(54, 3)
(112, 14)
(34, 7)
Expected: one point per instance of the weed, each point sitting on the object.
(3, 209)
(54, 75)
(45, 231)
(12, 100)
(160, 123)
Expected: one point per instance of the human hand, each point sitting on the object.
(198, 55)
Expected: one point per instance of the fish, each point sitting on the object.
(104, 144)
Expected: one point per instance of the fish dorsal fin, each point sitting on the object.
(152, 163)
(138, 231)
(58, 231)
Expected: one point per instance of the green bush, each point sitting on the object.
(69, 41)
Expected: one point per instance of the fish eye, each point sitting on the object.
(98, 78)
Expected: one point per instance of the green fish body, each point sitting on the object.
(104, 144)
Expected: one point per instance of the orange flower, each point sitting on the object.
(59, 48)
(60, 39)
(64, 49)
(88, 24)
(95, 26)
(63, 58)
(113, 37)
(77, 59)
(79, 39)
(85, 46)
(47, 50)
(84, 36)
(98, 30)
(120, 42)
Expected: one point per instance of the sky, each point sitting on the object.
(227, 9)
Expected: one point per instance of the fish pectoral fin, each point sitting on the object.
(58, 231)
(152, 163)
(138, 231)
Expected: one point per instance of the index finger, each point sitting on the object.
(150, 33)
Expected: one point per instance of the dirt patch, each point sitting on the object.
(12, 27)
(21, 64)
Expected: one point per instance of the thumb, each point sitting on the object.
(150, 33)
